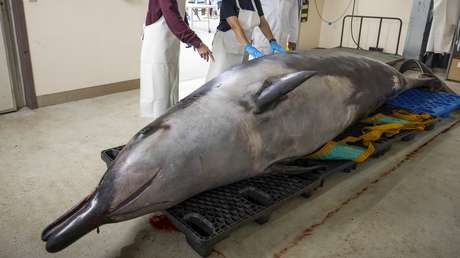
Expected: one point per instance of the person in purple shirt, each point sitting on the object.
(164, 27)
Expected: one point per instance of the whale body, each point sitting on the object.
(232, 128)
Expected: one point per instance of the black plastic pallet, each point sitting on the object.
(209, 217)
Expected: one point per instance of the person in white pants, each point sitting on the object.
(283, 18)
(446, 14)
(238, 18)
(159, 75)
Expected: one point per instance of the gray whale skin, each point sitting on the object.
(233, 127)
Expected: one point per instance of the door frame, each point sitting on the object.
(17, 45)
(6, 43)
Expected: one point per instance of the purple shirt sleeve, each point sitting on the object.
(176, 24)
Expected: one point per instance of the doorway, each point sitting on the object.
(17, 87)
(7, 96)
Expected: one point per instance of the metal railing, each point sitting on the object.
(361, 19)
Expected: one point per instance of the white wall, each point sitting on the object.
(79, 44)
(84, 43)
(330, 34)
(310, 31)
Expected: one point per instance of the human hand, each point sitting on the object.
(253, 51)
(277, 47)
(205, 52)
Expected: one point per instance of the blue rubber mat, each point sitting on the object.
(422, 101)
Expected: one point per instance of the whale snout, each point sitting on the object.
(77, 222)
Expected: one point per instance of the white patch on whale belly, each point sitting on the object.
(339, 85)
(397, 85)
(350, 115)
(254, 142)
(332, 94)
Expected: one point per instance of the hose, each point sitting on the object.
(330, 22)
(351, 25)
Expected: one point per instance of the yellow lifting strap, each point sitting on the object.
(403, 114)
(388, 125)
(327, 148)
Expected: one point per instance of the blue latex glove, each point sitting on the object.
(253, 51)
(277, 47)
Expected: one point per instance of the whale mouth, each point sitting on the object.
(77, 222)
(53, 226)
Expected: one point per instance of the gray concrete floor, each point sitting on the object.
(49, 160)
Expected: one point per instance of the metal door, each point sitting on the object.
(7, 100)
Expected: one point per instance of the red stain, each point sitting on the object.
(218, 253)
(308, 231)
(161, 222)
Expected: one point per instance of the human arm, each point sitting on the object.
(180, 29)
(230, 14)
(241, 37)
(238, 30)
(265, 28)
(176, 24)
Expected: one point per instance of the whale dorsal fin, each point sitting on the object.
(273, 89)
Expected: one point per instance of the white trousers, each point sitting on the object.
(445, 18)
(283, 18)
(223, 60)
(159, 70)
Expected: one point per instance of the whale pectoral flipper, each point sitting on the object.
(273, 89)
